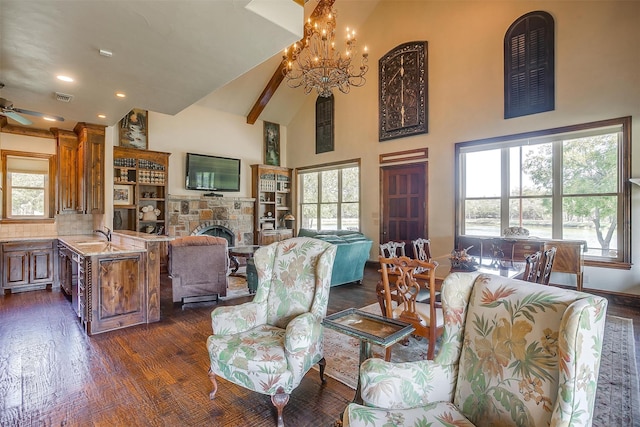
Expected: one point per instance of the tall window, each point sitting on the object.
(27, 186)
(566, 183)
(330, 196)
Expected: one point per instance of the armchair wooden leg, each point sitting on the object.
(380, 296)
(212, 377)
(387, 354)
(279, 400)
(322, 363)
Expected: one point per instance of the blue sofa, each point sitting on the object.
(351, 256)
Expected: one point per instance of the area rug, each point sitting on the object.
(236, 288)
(617, 397)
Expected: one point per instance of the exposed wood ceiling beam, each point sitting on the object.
(5, 127)
(278, 75)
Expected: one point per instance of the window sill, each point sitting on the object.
(618, 265)
(27, 221)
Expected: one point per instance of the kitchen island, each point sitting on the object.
(107, 281)
(155, 247)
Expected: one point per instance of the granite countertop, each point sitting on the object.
(90, 245)
(143, 236)
(27, 238)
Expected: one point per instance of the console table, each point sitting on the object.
(569, 254)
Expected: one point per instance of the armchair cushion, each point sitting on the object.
(260, 351)
(436, 414)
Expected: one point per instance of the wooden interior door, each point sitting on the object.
(404, 203)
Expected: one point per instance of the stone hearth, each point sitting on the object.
(187, 213)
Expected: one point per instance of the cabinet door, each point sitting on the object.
(41, 266)
(16, 268)
(68, 184)
(64, 272)
(92, 157)
(117, 293)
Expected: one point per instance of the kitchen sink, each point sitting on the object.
(92, 242)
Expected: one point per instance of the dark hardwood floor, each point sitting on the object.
(52, 374)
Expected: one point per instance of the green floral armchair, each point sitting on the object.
(512, 353)
(269, 344)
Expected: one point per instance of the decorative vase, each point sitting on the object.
(117, 220)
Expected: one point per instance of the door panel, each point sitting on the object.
(404, 203)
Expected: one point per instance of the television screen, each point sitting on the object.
(212, 173)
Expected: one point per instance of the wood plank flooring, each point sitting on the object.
(52, 374)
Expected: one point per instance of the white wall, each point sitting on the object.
(597, 77)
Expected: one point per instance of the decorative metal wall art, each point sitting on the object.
(403, 91)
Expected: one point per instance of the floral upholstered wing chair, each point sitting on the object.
(512, 353)
(269, 344)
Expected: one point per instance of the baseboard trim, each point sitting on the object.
(619, 298)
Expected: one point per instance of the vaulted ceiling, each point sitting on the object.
(165, 55)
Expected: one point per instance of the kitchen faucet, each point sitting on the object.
(107, 233)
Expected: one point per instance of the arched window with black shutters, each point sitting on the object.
(529, 74)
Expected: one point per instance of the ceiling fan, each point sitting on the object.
(8, 110)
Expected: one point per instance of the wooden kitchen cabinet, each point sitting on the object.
(117, 291)
(67, 176)
(27, 265)
(91, 166)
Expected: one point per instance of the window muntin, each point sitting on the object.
(566, 183)
(330, 197)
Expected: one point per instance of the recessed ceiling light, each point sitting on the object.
(49, 119)
(64, 78)
(120, 95)
(102, 116)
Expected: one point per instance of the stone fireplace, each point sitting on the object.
(216, 230)
(190, 215)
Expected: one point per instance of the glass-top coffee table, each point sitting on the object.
(240, 251)
(368, 328)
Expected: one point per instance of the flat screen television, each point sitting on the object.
(212, 173)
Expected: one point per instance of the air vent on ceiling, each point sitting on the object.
(63, 97)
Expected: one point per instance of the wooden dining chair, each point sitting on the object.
(427, 319)
(422, 249)
(548, 256)
(532, 265)
(392, 249)
(539, 265)
(389, 249)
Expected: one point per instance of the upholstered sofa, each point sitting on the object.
(198, 266)
(512, 353)
(351, 256)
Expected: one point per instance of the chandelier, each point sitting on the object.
(314, 63)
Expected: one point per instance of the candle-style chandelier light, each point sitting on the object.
(314, 63)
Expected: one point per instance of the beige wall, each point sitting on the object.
(597, 77)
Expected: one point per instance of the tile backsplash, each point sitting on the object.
(64, 225)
